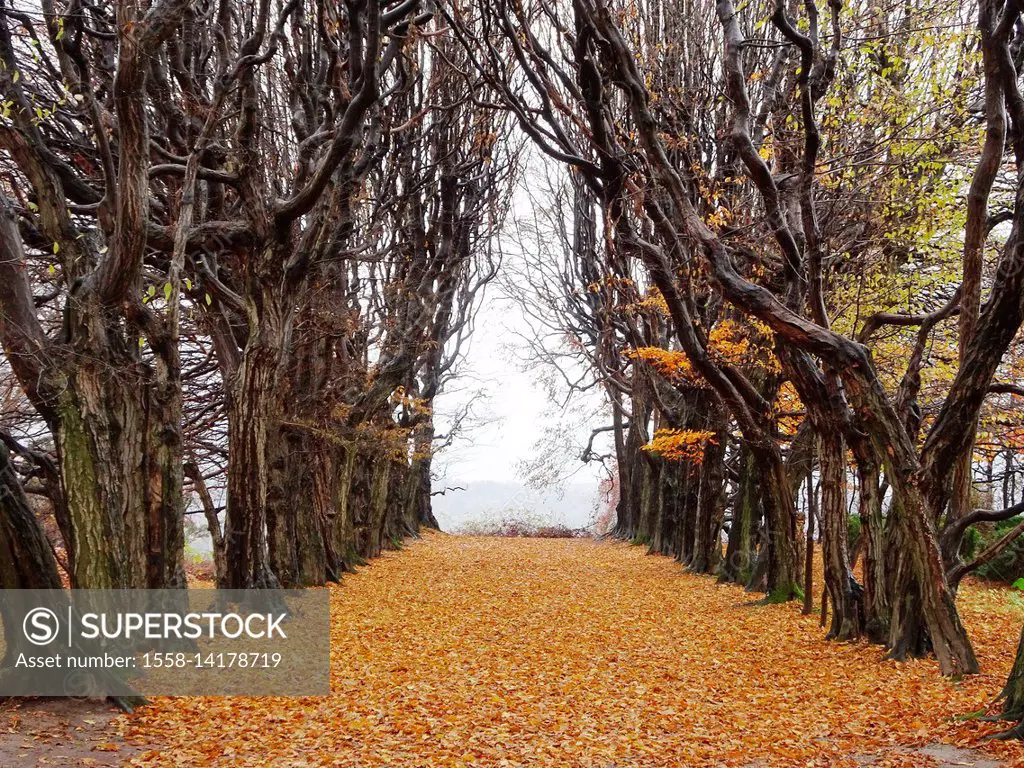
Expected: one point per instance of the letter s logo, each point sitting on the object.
(40, 626)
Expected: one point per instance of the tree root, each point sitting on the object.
(1013, 734)
(128, 704)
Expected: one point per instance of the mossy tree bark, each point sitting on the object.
(778, 499)
(740, 553)
(1012, 695)
(710, 506)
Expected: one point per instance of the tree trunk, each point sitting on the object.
(738, 565)
(27, 562)
(664, 526)
(299, 495)
(380, 469)
(838, 578)
(646, 490)
(1013, 692)
(343, 553)
(924, 615)
(397, 523)
(421, 468)
(289, 488)
(118, 437)
(26, 559)
(253, 407)
(635, 467)
(368, 501)
(877, 610)
(687, 505)
(624, 525)
(780, 515)
(706, 547)
(809, 546)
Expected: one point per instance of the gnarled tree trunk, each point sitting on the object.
(706, 548)
(838, 578)
(118, 435)
(253, 409)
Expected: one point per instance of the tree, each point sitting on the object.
(197, 218)
(644, 161)
(113, 411)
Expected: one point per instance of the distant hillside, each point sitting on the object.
(487, 501)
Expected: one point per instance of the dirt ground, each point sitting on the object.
(940, 756)
(60, 732)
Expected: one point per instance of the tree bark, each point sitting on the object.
(253, 408)
(809, 546)
(779, 513)
(26, 559)
(1012, 694)
(421, 468)
(838, 578)
(707, 548)
(738, 565)
(877, 607)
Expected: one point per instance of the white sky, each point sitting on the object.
(512, 411)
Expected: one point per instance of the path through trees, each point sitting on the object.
(243, 246)
(466, 651)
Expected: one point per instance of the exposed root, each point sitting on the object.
(1013, 734)
(129, 703)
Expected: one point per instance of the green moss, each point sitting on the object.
(783, 594)
(93, 569)
(853, 527)
(1008, 565)
(970, 544)
(353, 558)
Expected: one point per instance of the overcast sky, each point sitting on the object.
(512, 410)
(513, 413)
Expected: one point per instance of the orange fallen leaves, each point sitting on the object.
(526, 652)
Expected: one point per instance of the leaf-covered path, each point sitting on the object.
(525, 652)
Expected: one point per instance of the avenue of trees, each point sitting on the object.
(785, 246)
(242, 245)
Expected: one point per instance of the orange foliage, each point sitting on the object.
(654, 301)
(680, 444)
(728, 343)
(574, 653)
(672, 364)
(787, 406)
